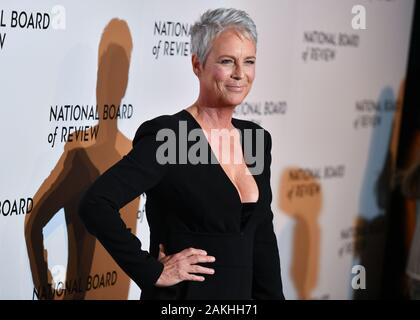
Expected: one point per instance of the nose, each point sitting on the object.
(238, 73)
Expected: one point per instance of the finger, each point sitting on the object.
(200, 259)
(161, 251)
(192, 251)
(200, 269)
(162, 248)
(193, 277)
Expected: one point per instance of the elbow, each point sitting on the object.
(87, 211)
(96, 208)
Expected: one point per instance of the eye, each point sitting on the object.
(226, 61)
(250, 61)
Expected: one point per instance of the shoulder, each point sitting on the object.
(151, 127)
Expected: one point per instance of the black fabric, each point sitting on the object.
(188, 206)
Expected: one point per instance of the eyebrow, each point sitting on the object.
(232, 57)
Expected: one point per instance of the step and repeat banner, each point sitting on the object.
(77, 78)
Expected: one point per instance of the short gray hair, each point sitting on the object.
(214, 22)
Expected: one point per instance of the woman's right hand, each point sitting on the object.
(183, 266)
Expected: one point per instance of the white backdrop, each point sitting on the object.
(327, 93)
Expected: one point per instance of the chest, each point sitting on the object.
(227, 150)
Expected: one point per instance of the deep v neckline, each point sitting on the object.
(235, 189)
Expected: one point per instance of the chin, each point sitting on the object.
(232, 104)
(234, 101)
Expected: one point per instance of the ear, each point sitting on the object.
(196, 65)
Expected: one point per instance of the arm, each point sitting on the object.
(134, 174)
(267, 282)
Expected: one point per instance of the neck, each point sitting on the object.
(215, 118)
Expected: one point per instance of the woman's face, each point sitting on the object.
(228, 73)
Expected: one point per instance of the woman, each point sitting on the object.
(211, 231)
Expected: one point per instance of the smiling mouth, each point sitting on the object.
(235, 88)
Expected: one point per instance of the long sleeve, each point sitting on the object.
(267, 282)
(134, 174)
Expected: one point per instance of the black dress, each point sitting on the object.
(188, 205)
